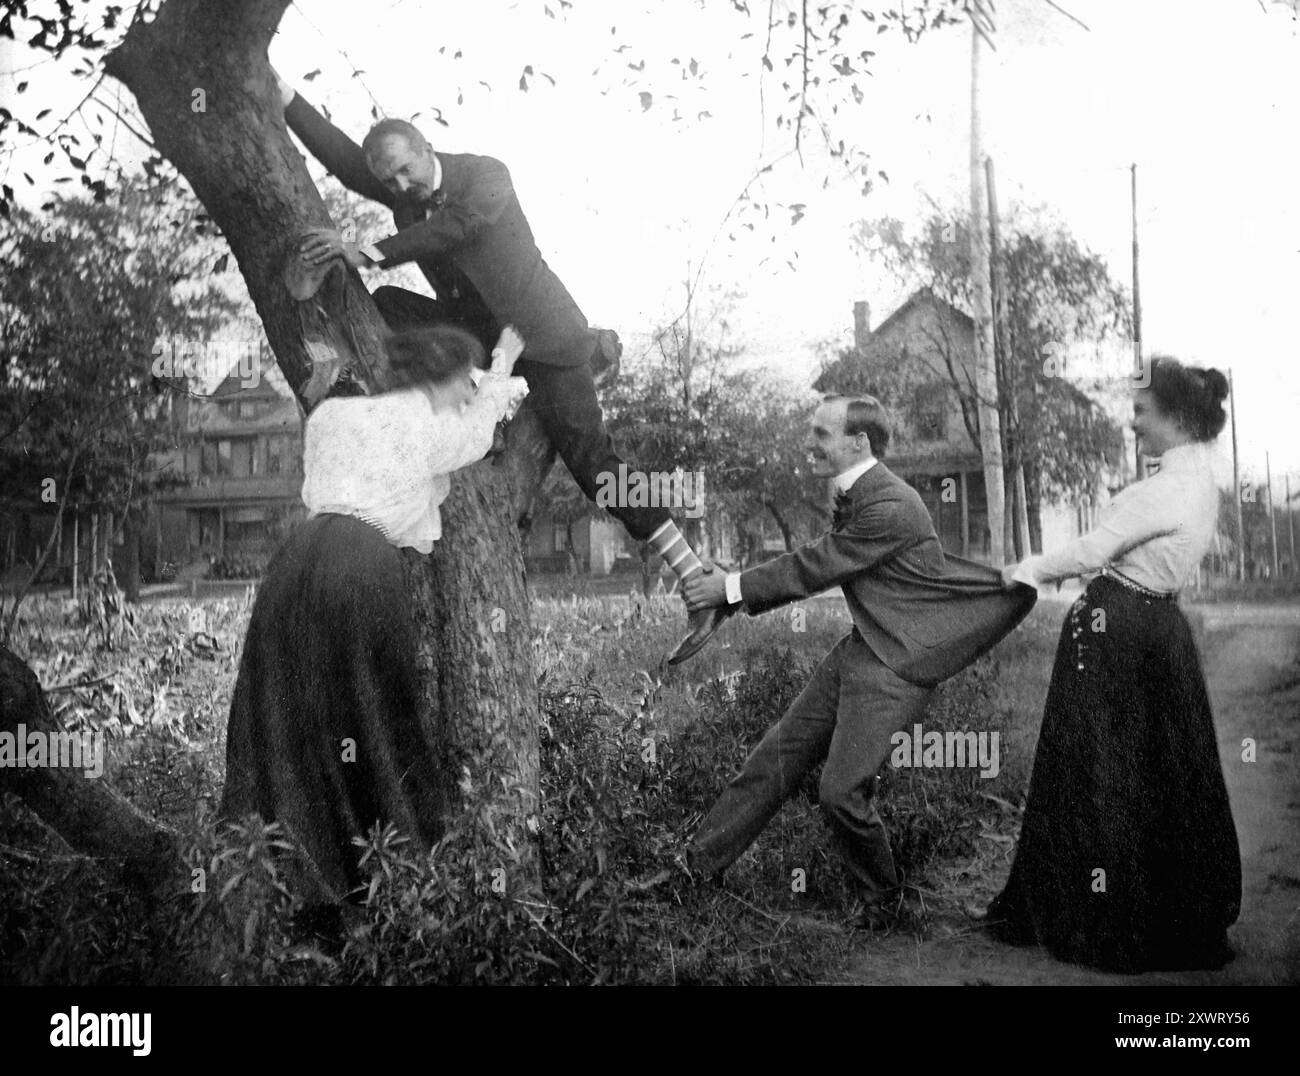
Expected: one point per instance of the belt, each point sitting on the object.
(1129, 584)
(368, 520)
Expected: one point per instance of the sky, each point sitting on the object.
(626, 202)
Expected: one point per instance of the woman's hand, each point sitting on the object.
(508, 349)
(1008, 575)
(287, 92)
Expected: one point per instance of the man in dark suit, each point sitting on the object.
(458, 219)
(919, 616)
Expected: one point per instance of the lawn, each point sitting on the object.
(632, 753)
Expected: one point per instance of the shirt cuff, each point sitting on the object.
(1027, 572)
(476, 375)
(372, 252)
(733, 588)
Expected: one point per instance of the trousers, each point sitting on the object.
(564, 398)
(845, 716)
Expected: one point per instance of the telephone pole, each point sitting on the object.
(1272, 516)
(1236, 483)
(986, 380)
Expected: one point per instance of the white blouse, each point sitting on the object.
(1155, 531)
(386, 458)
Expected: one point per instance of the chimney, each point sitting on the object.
(861, 323)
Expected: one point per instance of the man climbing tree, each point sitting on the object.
(460, 221)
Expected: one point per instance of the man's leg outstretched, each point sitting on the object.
(566, 403)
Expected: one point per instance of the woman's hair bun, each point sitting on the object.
(1216, 385)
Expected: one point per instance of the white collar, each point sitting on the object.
(845, 479)
(1192, 454)
(437, 174)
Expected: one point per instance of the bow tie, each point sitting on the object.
(433, 203)
(843, 510)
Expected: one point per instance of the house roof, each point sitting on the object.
(921, 295)
(878, 337)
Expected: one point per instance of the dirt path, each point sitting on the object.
(1252, 658)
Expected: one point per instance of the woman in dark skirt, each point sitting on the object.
(323, 734)
(1128, 856)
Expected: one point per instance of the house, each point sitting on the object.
(920, 354)
(241, 450)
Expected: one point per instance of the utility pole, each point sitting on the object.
(1006, 374)
(986, 381)
(1272, 516)
(1137, 309)
(1236, 483)
(1290, 522)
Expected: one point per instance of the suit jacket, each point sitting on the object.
(924, 613)
(475, 247)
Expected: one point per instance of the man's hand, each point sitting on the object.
(509, 347)
(321, 244)
(705, 589)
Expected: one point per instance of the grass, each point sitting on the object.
(160, 689)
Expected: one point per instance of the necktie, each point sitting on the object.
(843, 510)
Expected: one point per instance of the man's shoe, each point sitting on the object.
(678, 870)
(876, 916)
(703, 623)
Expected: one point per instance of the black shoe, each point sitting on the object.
(679, 870)
(876, 916)
(703, 623)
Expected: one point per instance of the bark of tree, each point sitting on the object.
(200, 75)
(129, 846)
(129, 576)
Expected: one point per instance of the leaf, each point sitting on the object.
(647, 99)
(22, 87)
(310, 75)
(43, 113)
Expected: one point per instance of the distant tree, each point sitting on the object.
(1059, 298)
(92, 289)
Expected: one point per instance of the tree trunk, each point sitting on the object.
(129, 576)
(786, 534)
(128, 845)
(199, 72)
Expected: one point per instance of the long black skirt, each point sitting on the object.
(324, 735)
(1128, 856)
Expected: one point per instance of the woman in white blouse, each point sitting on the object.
(1128, 856)
(323, 735)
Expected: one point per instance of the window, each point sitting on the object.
(559, 535)
(932, 413)
(277, 455)
(225, 459)
(249, 531)
(208, 461)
